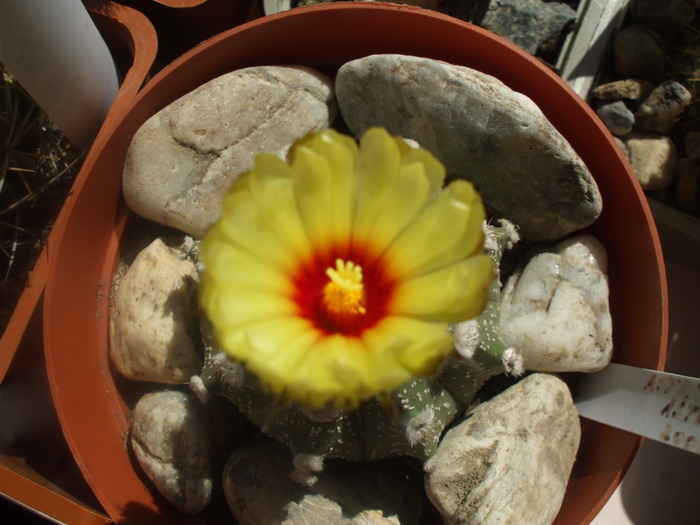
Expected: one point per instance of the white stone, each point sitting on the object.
(152, 318)
(183, 159)
(509, 462)
(482, 131)
(556, 311)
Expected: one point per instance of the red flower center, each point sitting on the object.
(329, 294)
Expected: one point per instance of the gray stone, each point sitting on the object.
(687, 194)
(617, 117)
(184, 158)
(173, 440)
(509, 462)
(631, 89)
(259, 489)
(638, 52)
(555, 311)
(527, 23)
(653, 159)
(667, 17)
(153, 319)
(482, 131)
(663, 107)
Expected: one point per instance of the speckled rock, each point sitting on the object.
(556, 312)
(183, 159)
(152, 318)
(491, 135)
(179, 443)
(259, 489)
(509, 462)
(653, 159)
(663, 107)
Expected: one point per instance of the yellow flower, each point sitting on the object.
(333, 277)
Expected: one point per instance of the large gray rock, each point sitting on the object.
(153, 326)
(183, 159)
(556, 312)
(259, 489)
(509, 462)
(482, 131)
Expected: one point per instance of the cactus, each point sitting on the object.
(406, 422)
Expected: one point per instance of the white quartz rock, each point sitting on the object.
(509, 462)
(152, 318)
(556, 311)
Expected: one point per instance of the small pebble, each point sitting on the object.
(662, 108)
(631, 89)
(617, 117)
(653, 159)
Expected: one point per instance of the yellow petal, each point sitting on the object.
(377, 169)
(229, 308)
(272, 187)
(335, 370)
(244, 224)
(402, 347)
(433, 168)
(452, 294)
(447, 230)
(323, 196)
(234, 267)
(259, 345)
(411, 192)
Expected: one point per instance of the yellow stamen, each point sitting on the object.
(344, 293)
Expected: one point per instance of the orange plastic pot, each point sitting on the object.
(93, 410)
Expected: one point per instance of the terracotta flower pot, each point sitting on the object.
(93, 410)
